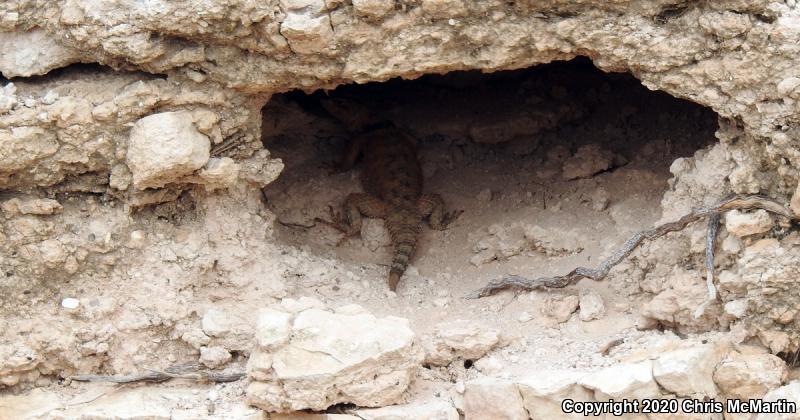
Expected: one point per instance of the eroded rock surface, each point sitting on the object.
(318, 358)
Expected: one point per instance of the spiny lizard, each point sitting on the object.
(392, 180)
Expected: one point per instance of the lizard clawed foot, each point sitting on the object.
(451, 217)
(338, 224)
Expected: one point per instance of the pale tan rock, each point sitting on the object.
(34, 404)
(560, 307)
(725, 24)
(444, 8)
(542, 394)
(460, 339)
(624, 380)
(744, 224)
(749, 375)
(21, 147)
(307, 34)
(219, 173)
(29, 205)
(373, 8)
(435, 410)
(789, 86)
(52, 252)
(129, 403)
(214, 357)
(216, 323)
(165, 147)
(789, 393)
(272, 328)
(591, 306)
(688, 372)
(332, 358)
(493, 399)
(587, 161)
(374, 234)
(36, 52)
(794, 204)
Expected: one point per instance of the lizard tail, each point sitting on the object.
(405, 243)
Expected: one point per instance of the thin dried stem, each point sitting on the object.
(735, 202)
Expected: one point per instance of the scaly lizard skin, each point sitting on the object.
(392, 178)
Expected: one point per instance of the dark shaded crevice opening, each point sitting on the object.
(563, 146)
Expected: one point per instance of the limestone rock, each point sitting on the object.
(219, 173)
(744, 224)
(216, 323)
(435, 410)
(333, 358)
(374, 234)
(542, 395)
(272, 328)
(165, 147)
(214, 357)
(29, 205)
(591, 306)
(560, 307)
(794, 204)
(307, 34)
(459, 339)
(688, 372)
(493, 399)
(34, 52)
(624, 380)
(749, 375)
(373, 8)
(587, 161)
(789, 392)
(443, 8)
(133, 403)
(24, 146)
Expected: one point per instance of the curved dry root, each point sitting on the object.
(713, 212)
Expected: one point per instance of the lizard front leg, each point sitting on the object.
(432, 205)
(356, 205)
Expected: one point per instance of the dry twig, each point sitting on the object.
(713, 212)
(191, 371)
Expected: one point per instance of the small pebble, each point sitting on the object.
(524, 317)
(70, 303)
(460, 387)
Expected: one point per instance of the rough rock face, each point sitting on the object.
(459, 339)
(79, 152)
(164, 147)
(317, 358)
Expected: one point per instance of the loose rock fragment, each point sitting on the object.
(459, 339)
(744, 224)
(165, 147)
(790, 393)
(214, 357)
(436, 410)
(688, 372)
(373, 8)
(587, 161)
(37, 206)
(560, 307)
(331, 358)
(749, 375)
(625, 380)
(36, 52)
(542, 395)
(592, 306)
(493, 399)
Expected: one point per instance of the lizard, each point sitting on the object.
(393, 183)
